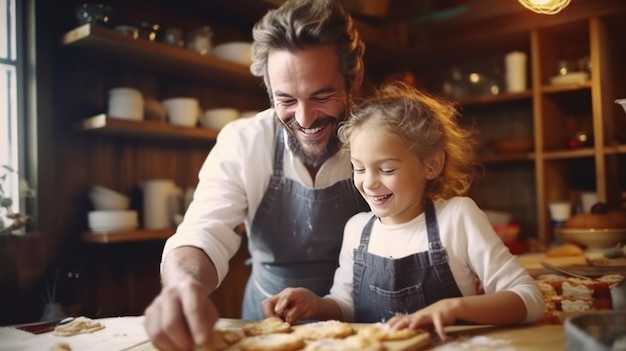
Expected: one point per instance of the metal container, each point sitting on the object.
(598, 331)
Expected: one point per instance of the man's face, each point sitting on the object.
(309, 96)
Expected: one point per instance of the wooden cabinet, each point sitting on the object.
(551, 115)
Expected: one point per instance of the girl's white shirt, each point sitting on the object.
(474, 251)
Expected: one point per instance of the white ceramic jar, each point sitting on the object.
(125, 103)
(161, 201)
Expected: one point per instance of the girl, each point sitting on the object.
(413, 261)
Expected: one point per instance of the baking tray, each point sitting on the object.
(588, 271)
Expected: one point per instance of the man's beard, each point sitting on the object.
(318, 158)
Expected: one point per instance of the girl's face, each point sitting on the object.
(388, 175)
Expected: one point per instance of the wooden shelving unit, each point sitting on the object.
(525, 183)
(103, 124)
(100, 41)
(127, 236)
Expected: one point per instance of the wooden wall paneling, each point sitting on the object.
(120, 279)
(229, 295)
(512, 196)
(143, 280)
(103, 282)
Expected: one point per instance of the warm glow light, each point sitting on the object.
(545, 7)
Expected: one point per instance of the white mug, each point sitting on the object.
(560, 210)
(182, 111)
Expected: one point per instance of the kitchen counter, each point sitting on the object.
(128, 334)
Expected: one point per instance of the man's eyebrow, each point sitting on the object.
(279, 93)
(325, 90)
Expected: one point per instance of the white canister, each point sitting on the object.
(125, 103)
(161, 201)
(182, 111)
(515, 75)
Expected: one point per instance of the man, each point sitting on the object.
(279, 172)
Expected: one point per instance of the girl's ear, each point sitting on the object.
(434, 164)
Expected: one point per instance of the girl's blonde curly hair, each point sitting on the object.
(426, 124)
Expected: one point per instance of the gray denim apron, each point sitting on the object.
(296, 235)
(384, 287)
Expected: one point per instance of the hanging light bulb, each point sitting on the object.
(545, 7)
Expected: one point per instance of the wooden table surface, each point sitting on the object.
(522, 338)
(128, 334)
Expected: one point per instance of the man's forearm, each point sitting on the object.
(189, 262)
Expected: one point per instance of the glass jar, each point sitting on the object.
(200, 40)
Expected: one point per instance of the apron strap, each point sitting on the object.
(279, 150)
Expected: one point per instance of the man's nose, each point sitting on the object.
(305, 115)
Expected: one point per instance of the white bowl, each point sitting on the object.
(622, 102)
(104, 198)
(217, 118)
(237, 51)
(108, 192)
(109, 221)
(594, 238)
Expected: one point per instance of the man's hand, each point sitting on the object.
(182, 316)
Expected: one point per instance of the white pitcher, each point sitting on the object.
(161, 201)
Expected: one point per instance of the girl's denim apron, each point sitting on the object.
(384, 287)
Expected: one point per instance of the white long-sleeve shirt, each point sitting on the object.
(474, 250)
(232, 182)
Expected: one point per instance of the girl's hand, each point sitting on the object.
(292, 305)
(441, 313)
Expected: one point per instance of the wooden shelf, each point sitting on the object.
(507, 158)
(564, 154)
(109, 44)
(553, 89)
(103, 124)
(137, 235)
(127, 236)
(494, 99)
(615, 149)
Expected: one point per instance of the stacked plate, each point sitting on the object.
(111, 221)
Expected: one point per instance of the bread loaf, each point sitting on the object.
(613, 219)
(565, 250)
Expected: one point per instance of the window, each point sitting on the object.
(11, 128)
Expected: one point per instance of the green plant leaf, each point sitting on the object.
(8, 168)
(6, 202)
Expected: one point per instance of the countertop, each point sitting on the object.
(128, 334)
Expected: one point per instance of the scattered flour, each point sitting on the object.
(476, 343)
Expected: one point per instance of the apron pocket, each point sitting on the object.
(388, 303)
